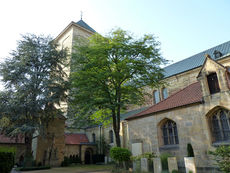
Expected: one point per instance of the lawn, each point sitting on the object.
(76, 169)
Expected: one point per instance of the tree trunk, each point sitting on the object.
(116, 128)
(28, 153)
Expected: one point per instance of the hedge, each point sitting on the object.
(6, 159)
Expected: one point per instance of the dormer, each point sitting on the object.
(213, 77)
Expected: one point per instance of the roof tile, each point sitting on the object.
(75, 138)
(190, 94)
(12, 140)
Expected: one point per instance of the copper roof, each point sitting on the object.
(74, 138)
(189, 95)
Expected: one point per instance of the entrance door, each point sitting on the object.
(87, 157)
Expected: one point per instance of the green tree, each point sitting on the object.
(35, 83)
(222, 157)
(109, 73)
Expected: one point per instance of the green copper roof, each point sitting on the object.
(85, 25)
(195, 60)
(133, 112)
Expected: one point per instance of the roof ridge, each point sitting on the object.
(198, 53)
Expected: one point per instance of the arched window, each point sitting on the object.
(156, 96)
(164, 93)
(94, 138)
(220, 125)
(169, 132)
(111, 136)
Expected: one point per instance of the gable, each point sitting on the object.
(210, 66)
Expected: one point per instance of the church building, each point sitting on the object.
(193, 108)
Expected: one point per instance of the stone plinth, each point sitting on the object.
(157, 165)
(190, 164)
(172, 164)
(136, 149)
(144, 165)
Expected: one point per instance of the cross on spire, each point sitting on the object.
(81, 15)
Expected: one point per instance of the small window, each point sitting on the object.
(94, 138)
(111, 136)
(169, 131)
(213, 83)
(164, 93)
(156, 96)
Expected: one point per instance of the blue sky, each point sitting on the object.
(183, 27)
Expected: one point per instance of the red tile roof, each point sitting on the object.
(190, 94)
(74, 138)
(12, 140)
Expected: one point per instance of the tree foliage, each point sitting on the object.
(120, 154)
(222, 157)
(34, 82)
(109, 73)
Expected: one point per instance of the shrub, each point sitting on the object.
(175, 171)
(190, 150)
(65, 162)
(120, 154)
(6, 159)
(222, 157)
(147, 155)
(164, 160)
(97, 158)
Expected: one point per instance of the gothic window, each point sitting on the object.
(156, 96)
(220, 126)
(111, 136)
(164, 93)
(213, 83)
(94, 137)
(169, 131)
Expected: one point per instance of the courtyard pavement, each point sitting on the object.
(74, 169)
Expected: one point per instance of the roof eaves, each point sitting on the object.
(153, 113)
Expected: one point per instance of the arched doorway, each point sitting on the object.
(88, 156)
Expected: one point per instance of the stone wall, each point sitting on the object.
(53, 144)
(192, 120)
(20, 150)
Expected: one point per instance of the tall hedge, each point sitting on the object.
(6, 159)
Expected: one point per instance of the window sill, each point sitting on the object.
(220, 143)
(169, 147)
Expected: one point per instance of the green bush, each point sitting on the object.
(175, 171)
(147, 155)
(120, 154)
(190, 150)
(6, 159)
(164, 160)
(222, 157)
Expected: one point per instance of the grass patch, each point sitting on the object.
(33, 168)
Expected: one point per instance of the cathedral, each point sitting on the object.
(193, 108)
